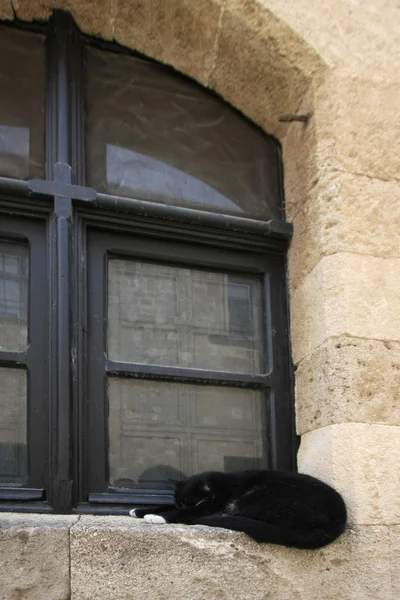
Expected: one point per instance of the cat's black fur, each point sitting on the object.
(277, 507)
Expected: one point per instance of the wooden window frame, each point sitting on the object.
(68, 464)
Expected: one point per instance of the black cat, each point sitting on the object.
(277, 507)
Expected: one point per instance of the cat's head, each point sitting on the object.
(199, 489)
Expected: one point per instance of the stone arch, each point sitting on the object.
(236, 47)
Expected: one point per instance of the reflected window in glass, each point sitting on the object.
(14, 263)
(192, 318)
(13, 426)
(22, 103)
(157, 136)
(158, 428)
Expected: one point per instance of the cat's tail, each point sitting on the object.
(267, 532)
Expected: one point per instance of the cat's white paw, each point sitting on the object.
(133, 513)
(155, 519)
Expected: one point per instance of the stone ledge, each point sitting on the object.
(35, 521)
(34, 556)
(117, 557)
(46, 557)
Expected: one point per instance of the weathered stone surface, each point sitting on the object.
(362, 462)
(117, 557)
(350, 35)
(345, 213)
(331, 168)
(114, 557)
(358, 123)
(348, 379)
(394, 535)
(262, 67)
(299, 158)
(93, 16)
(34, 556)
(6, 9)
(346, 294)
(177, 32)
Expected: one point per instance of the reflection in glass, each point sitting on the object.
(159, 430)
(155, 135)
(13, 432)
(14, 273)
(151, 178)
(22, 85)
(167, 315)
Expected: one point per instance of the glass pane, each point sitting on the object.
(14, 273)
(22, 85)
(13, 434)
(155, 135)
(175, 316)
(159, 430)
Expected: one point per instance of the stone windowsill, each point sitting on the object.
(115, 558)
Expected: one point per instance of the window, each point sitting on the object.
(143, 310)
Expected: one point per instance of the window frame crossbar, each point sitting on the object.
(34, 188)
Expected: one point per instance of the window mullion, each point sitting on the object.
(59, 168)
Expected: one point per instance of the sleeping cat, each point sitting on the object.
(277, 507)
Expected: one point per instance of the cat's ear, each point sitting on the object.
(211, 482)
(175, 482)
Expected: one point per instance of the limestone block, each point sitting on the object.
(346, 294)
(358, 124)
(177, 32)
(262, 67)
(345, 213)
(92, 16)
(360, 214)
(301, 171)
(114, 557)
(362, 462)
(353, 36)
(6, 9)
(343, 156)
(34, 556)
(348, 379)
(394, 533)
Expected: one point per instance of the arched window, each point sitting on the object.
(143, 310)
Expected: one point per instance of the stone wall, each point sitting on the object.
(341, 61)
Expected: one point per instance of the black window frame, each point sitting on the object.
(72, 214)
(33, 360)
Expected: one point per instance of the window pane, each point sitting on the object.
(175, 316)
(22, 85)
(157, 136)
(14, 269)
(159, 430)
(13, 435)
